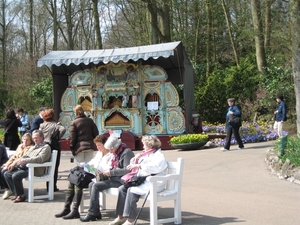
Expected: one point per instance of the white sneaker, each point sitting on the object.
(224, 149)
(118, 221)
(127, 223)
(7, 194)
(238, 148)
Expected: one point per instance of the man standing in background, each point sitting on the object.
(35, 125)
(24, 120)
(280, 115)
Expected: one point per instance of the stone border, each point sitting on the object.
(285, 170)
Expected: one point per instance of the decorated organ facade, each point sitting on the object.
(126, 97)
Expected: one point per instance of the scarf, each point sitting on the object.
(116, 156)
(127, 177)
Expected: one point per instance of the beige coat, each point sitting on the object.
(18, 154)
(39, 154)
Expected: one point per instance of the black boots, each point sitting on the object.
(75, 214)
(68, 201)
(89, 218)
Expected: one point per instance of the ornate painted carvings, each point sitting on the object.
(154, 73)
(81, 77)
(175, 120)
(171, 95)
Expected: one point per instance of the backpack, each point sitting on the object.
(54, 140)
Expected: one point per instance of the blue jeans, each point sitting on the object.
(14, 180)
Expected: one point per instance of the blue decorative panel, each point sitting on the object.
(154, 73)
(175, 120)
(68, 100)
(82, 77)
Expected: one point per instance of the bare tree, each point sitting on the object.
(209, 33)
(258, 36)
(228, 21)
(295, 24)
(97, 24)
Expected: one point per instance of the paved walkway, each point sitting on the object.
(233, 187)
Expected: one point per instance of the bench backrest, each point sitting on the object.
(175, 168)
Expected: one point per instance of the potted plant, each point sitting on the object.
(189, 141)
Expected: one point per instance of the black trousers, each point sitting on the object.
(235, 131)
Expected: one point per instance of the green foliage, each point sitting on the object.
(2, 135)
(277, 81)
(239, 82)
(41, 92)
(291, 150)
(189, 138)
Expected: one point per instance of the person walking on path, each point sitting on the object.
(280, 115)
(232, 110)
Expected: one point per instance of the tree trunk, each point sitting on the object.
(258, 36)
(31, 29)
(55, 25)
(230, 32)
(268, 24)
(295, 31)
(209, 38)
(69, 24)
(162, 34)
(97, 24)
(3, 41)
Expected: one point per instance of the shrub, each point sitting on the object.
(189, 138)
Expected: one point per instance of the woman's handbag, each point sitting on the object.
(135, 181)
(234, 121)
(79, 177)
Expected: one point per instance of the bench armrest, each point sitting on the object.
(33, 165)
(163, 178)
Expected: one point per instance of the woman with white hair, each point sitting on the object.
(150, 161)
(121, 159)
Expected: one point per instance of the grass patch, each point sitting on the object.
(291, 150)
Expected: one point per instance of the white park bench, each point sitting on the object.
(172, 191)
(47, 177)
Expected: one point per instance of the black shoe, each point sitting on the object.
(88, 218)
(63, 213)
(56, 189)
(72, 215)
(99, 216)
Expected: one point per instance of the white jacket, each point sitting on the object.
(154, 163)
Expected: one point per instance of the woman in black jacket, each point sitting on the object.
(11, 135)
(83, 131)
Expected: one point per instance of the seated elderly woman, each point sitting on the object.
(22, 149)
(150, 161)
(122, 157)
(102, 162)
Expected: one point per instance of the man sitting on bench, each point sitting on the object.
(39, 153)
